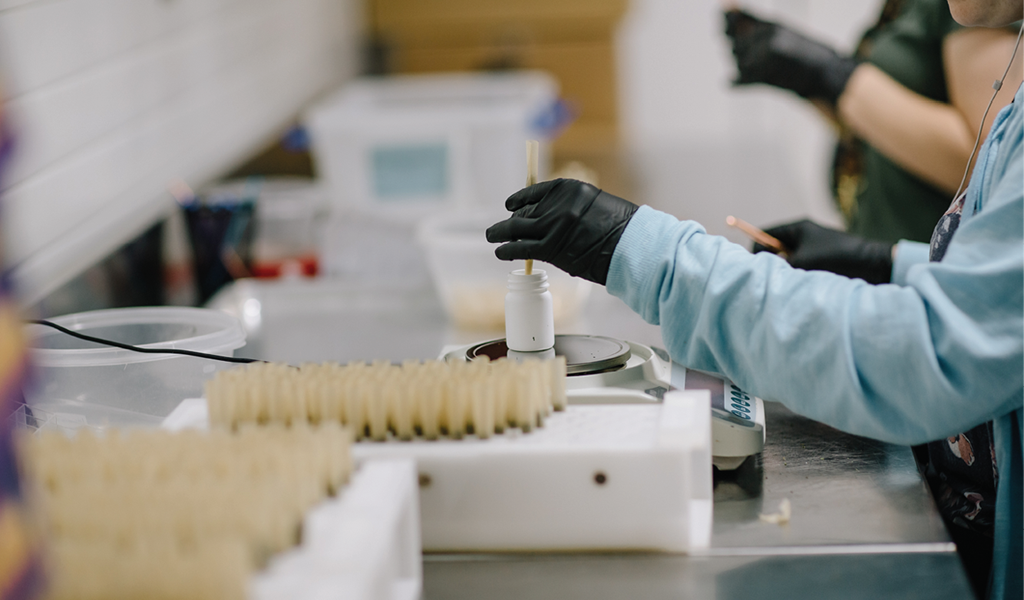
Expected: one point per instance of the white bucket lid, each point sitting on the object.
(197, 329)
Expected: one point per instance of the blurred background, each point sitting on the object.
(164, 148)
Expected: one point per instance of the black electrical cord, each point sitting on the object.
(97, 340)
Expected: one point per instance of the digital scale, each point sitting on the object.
(604, 370)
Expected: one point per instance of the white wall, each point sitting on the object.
(704, 149)
(111, 100)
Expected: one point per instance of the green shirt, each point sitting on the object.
(891, 204)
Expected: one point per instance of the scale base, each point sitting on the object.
(609, 371)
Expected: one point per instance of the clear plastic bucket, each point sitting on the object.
(110, 386)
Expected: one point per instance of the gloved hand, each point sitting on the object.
(570, 224)
(771, 53)
(815, 248)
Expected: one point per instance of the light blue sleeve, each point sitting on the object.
(908, 254)
(902, 363)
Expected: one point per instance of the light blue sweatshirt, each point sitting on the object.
(933, 354)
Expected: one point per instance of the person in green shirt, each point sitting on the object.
(908, 104)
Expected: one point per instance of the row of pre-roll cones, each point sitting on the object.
(155, 514)
(429, 399)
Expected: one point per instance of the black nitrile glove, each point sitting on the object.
(771, 53)
(570, 224)
(815, 248)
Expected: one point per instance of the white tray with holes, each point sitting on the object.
(363, 544)
(594, 477)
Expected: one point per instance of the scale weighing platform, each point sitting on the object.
(604, 370)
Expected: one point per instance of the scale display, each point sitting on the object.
(725, 396)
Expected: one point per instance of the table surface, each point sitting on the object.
(863, 523)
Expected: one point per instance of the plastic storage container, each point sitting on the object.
(105, 386)
(404, 146)
(472, 282)
(288, 219)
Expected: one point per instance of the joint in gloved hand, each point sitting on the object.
(816, 248)
(567, 223)
(774, 54)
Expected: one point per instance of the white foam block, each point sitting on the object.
(606, 477)
(594, 477)
(363, 544)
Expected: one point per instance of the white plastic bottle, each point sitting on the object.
(529, 312)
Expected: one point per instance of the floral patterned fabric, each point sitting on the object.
(961, 468)
(20, 564)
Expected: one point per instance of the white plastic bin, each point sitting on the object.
(107, 386)
(472, 282)
(405, 146)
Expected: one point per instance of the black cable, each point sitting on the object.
(97, 340)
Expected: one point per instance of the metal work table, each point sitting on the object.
(863, 524)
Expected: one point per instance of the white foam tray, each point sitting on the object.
(363, 544)
(595, 477)
(544, 490)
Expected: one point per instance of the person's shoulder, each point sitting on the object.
(1007, 183)
(1009, 123)
(1013, 136)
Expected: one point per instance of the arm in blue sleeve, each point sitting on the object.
(905, 364)
(908, 254)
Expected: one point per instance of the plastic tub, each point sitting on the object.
(288, 216)
(288, 212)
(107, 386)
(407, 146)
(472, 282)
